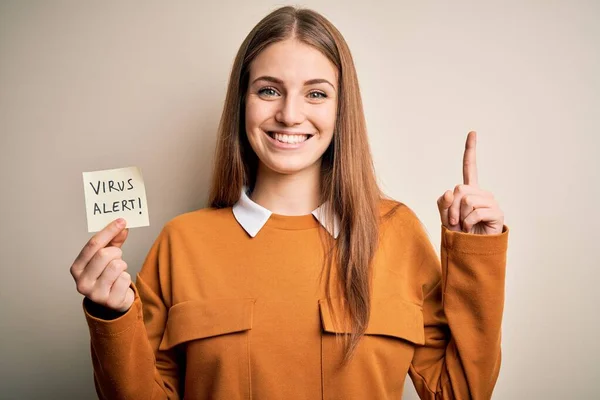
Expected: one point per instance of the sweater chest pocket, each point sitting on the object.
(214, 334)
(382, 358)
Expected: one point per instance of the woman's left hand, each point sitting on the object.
(468, 208)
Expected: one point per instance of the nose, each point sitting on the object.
(290, 112)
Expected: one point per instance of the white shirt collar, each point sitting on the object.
(252, 216)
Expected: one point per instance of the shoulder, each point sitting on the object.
(401, 220)
(204, 220)
(201, 216)
(405, 239)
(396, 212)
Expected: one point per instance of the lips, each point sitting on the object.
(289, 138)
(271, 133)
(284, 140)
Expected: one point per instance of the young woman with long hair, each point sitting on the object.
(301, 280)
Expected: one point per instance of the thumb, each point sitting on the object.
(118, 240)
(444, 203)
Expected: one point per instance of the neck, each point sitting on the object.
(288, 194)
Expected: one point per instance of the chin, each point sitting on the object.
(288, 167)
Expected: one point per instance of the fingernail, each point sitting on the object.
(120, 222)
(452, 221)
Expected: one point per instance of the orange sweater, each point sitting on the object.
(221, 315)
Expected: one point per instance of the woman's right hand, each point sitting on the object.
(99, 270)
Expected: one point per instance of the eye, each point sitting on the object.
(317, 95)
(268, 91)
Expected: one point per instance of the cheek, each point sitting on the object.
(256, 113)
(324, 118)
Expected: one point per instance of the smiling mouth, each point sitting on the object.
(290, 139)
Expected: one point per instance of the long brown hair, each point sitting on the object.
(348, 180)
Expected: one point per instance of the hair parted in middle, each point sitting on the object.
(348, 181)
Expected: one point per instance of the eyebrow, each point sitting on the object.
(280, 82)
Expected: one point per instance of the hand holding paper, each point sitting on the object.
(99, 269)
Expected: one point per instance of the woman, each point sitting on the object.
(301, 281)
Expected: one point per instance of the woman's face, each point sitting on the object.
(291, 106)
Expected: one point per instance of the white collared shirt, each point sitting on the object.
(252, 216)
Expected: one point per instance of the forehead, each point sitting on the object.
(291, 60)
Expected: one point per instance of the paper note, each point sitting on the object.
(115, 193)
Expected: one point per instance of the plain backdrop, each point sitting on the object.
(89, 85)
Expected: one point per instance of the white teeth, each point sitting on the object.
(292, 139)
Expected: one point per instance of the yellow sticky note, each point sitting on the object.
(115, 193)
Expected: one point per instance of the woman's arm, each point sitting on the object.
(462, 306)
(126, 360)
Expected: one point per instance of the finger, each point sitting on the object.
(120, 296)
(470, 202)
(96, 242)
(470, 160)
(444, 203)
(88, 277)
(118, 240)
(108, 277)
(454, 211)
(479, 215)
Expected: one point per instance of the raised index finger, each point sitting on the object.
(470, 160)
(97, 242)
